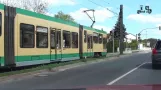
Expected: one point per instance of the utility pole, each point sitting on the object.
(121, 29)
(137, 41)
(146, 38)
(113, 41)
(126, 43)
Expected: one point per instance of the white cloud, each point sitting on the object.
(157, 25)
(61, 2)
(101, 15)
(145, 18)
(50, 14)
(105, 28)
(129, 36)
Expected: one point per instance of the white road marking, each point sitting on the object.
(122, 76)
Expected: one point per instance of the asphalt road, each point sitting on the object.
(133, 69)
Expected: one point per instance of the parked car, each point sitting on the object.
(156, 55)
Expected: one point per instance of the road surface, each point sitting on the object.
(132, 69)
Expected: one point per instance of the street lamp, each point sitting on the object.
(139, 34)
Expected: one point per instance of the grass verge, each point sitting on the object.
(48, 66)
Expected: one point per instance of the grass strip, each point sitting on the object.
(48, 66)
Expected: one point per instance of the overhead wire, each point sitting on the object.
(103, 7)
(50, 8)
(97, 5)
(109, 3)
(79, 4)
(116, 15)
(105, 1)
(85, 11)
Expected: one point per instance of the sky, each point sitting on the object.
(105, 19)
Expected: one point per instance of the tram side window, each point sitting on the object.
(85, 36)
(100, 38)
(104, 43)
(0, 23)
(74, 40)
(95, 37)
(66, 39)
(27, 36)
(42, 37)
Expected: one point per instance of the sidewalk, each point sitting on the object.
(125, 52)
(133, 51)
(112, 54)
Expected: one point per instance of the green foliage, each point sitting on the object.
(117, 29)
(110, 46)
(152, 41)
(64, 16)
(133, 45)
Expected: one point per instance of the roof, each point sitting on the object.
(96, 30)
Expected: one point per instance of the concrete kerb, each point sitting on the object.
(56, 69)
(134, 51)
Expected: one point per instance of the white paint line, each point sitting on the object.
(122, 76)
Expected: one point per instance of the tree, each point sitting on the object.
(133, 44)
(39, 6)
(152, 41)
(8, 2)
(63, 16)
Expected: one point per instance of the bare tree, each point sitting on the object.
(39, 6)
(26, 4)
(8, 2)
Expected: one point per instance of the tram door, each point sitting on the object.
(89, 45)
(55, 45)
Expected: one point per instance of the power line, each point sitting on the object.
(105, 1)
(103, 7)
(79, 4)
(108, 3)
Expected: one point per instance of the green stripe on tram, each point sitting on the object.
(48, 57)
(44, 57)
(1, 6)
